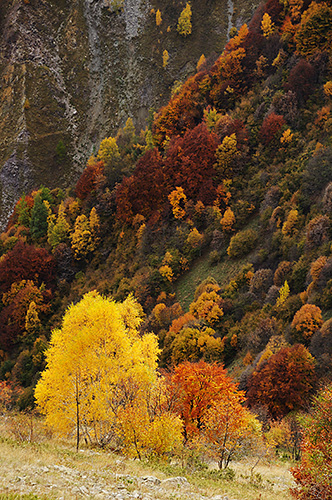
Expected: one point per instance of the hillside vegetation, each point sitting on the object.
(211, 230)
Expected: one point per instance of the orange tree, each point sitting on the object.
(211, 407)
(313, 476)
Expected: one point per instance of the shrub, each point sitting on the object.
(306, 321)
(318, 231)
(271, 127)
(261, 282)
(313, 474)
(242, 243)
(283, 382)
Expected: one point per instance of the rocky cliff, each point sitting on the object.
(73, 71)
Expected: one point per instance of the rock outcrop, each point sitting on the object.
(73, 71)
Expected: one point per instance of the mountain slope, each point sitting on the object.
(72, 72)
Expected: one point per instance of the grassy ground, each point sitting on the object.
(48, 468)
(222, 272)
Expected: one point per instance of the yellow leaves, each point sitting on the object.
(226, 153)
(228, 220)
(267, 25)
(184, 22)
(286, 137)
(96, 363)
(289, 227)
(165, 58)
(283, 294)
(279, 435)
(195, 238)
(108, 151)
(194, 343)
(211, 117)
(177, 199)
(166, 272)
(207, 307)
(144, 435)
(200, 62)
(85, 235)
(328, 89)
(158, 18)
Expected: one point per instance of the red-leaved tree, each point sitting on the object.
(26, 262)
(283, 382)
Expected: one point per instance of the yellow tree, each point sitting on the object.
(267, 25)
(165, 58)
(283, 294)
(184, 22)
(90, 357)
(85, 238)
(226, 153)
(208, 307)
(98, 371)
(177, 199)
(108, 151)
(201, 61)
(228, 220)
(32, 323)
(195, 238)
(158, 18)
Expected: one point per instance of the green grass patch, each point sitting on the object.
(222, 272)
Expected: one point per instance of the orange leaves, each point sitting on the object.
(211, 407)
(306, 321)
(177, 199)
(194, 387)
(315, 32)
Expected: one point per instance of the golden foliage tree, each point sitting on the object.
(184, 26)
(228, 220)
(177, 199)
(267, 25)
(158, 18)
(108, 151)
(226, 153)
(165, 58)
(99, 372)
(201, 62)
(208, 307)
(84, 238)
(306, 321)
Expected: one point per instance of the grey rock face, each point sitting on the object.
(73, 71)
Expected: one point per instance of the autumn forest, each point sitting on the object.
(179, 296)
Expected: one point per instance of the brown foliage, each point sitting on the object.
(301, 80)
(26, 262)
(87, 182)
(270, 128)
(283, 382)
